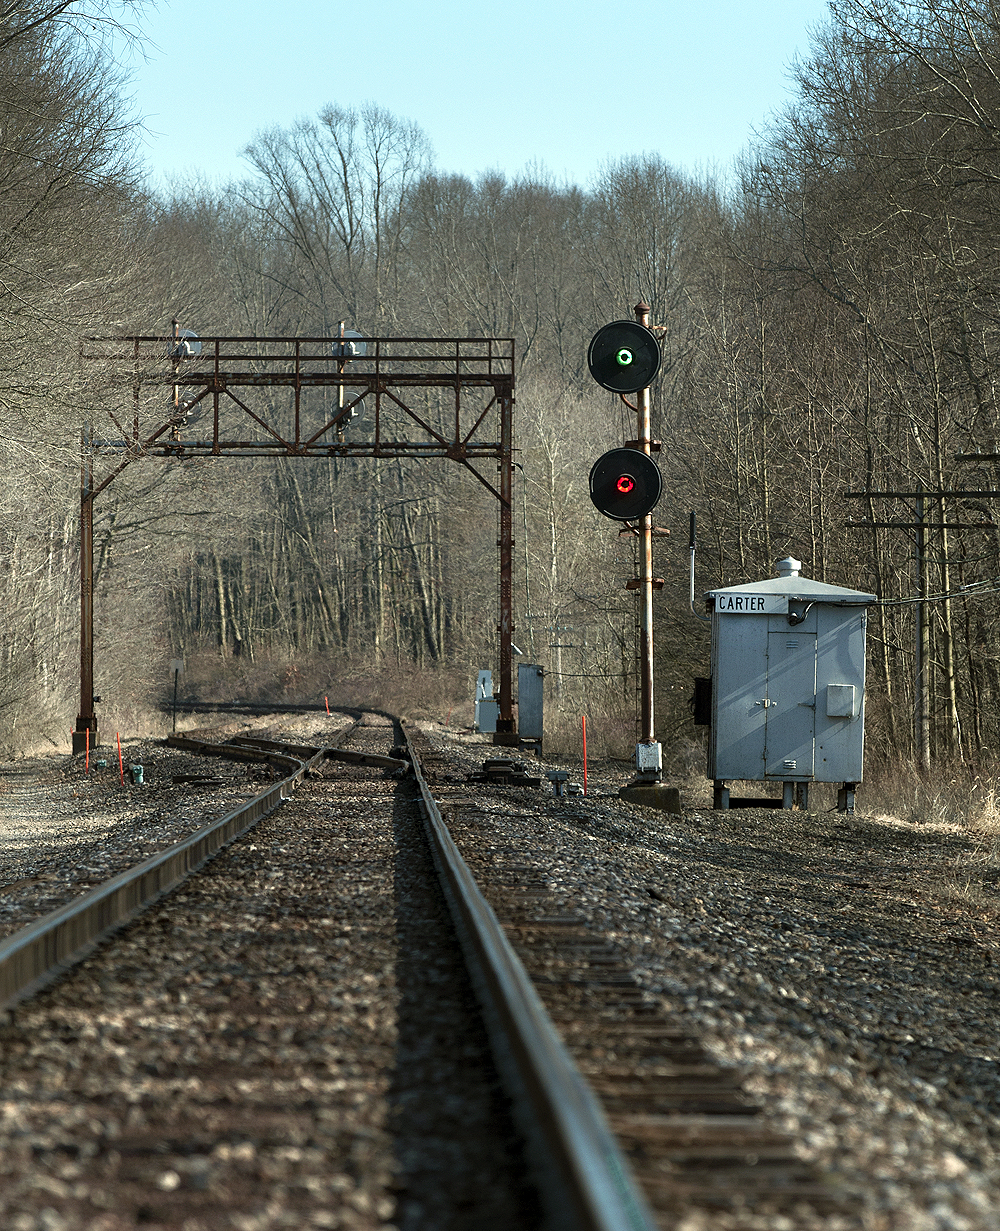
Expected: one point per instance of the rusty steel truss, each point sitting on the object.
(195, 398)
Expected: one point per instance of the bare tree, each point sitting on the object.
(330, 194)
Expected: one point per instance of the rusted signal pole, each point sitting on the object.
(625, 485)
(647, 736)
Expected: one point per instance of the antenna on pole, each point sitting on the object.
(693, 544)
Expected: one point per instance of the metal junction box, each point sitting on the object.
(788, 684)
(530, 702)
(487, 709)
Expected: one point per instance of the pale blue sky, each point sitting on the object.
(564, 84)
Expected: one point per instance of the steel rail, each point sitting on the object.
(40, 952)
(370, 759)
(584, 1178)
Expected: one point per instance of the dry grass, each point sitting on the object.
(962, 806)
(974, 874)
(608, 735)
(950, 795)
(308, 678)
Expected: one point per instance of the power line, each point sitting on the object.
(971, 590)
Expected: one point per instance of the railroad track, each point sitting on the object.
(298, 972)
(689, 1136)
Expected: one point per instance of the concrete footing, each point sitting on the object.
(82, 740)
(652, 795)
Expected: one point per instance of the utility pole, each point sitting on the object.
(85, 734)
(922, 639)
(340, 388)
(923, 648)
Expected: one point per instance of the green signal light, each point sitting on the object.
(624, 357)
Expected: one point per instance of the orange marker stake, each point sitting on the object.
(121, 764)
(585, 754)
(86, 764)
(327, 700)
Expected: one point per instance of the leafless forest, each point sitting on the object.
(831, 324)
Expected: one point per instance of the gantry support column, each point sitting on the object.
(506, 732)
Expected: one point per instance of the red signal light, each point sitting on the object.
(624, 484)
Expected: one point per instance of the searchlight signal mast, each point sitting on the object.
(625, 485)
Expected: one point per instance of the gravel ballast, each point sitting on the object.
(289, 1040)
(66, 827)
(846, 966)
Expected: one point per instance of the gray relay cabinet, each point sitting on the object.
(788, 685)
